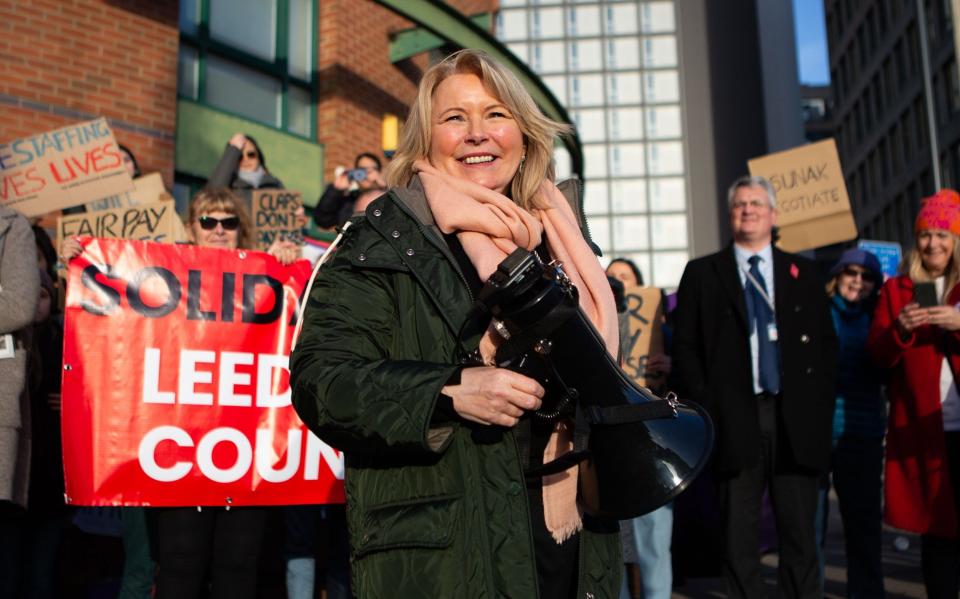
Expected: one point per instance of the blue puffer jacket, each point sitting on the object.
(860, 409)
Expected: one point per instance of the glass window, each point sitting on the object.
(583, 21)
(300, 109)
(563, 166)
(189, 16)
(660, 51)
(586, 90)
(668, 267)
(512, 24)
(629, 195)
(520, 50)
(621, 18)
(300, 38)
(585, 55)
(623, 53)
(627, 159)
(624, 88)
(663, 121)
(631, 233)
(669, 231)
(666, 158)
(548, 57)
(600, 231)
(558, 85)
(668, 194)
(657, 17)
(589, 124)
(626, 123)
(243, 91)
(231, 20)
(188, 72)
(595, 160)
(595, 197)
(661, 86)
(513, 2)
(546, 22)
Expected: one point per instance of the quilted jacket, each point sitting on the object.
(430, 512)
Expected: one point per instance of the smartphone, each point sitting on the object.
(925, 294)
(356, 174)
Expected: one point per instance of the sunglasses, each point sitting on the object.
(866, 275)
(251, 154)
(209, 223)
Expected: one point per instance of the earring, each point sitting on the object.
(523, 158)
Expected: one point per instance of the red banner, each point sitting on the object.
(176, 384)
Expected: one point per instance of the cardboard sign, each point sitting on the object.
(813, 208)
(62, 168)
(274, 216)
(888, 252)
(176, 385)
(645, 317)
(146, 189)
(156, 221)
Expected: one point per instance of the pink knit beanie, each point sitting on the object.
(940, 211)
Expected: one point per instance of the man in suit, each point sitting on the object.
(754, 344)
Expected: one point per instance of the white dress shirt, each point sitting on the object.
(766, 270)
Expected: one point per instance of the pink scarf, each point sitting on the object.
(490, 227)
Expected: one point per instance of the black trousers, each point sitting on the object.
(224, 543)
(940, 557)
(793, 492)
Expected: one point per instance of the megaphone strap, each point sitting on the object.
(628, 414)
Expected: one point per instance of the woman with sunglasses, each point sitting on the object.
(920, 344)
(859, 421)
(243, 166)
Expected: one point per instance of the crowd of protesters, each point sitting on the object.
(844, 382)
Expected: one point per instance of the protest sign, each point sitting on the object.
(813, 208)
(888, 252)
(146, 189)
(176, 384)
(275, 216)
(645, 318)
(62, 168)
(156, 221)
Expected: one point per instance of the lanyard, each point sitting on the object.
(756, 284)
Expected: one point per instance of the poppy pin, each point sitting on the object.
(794, 271)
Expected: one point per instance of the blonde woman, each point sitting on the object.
(438, 504)
(920, 344)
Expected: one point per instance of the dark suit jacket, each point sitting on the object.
(713, 366)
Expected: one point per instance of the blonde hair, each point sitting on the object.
(538, 131)
(223, 200)
(912, 266)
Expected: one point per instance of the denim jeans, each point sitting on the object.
(647, 543)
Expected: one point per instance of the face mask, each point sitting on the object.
(252, 177)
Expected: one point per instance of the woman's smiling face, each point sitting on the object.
(475, 136)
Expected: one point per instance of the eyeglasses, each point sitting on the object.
(209, 223)
(755, 204)
(251, 154)
(853, 273)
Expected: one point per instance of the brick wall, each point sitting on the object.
(63, 61)
(358, 83)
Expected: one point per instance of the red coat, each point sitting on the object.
(917, 490)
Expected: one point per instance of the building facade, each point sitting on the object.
(883, 125)
(616, 67)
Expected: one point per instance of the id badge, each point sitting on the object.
(6, 346)
(772, 332)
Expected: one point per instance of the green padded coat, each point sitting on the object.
(430, 512)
